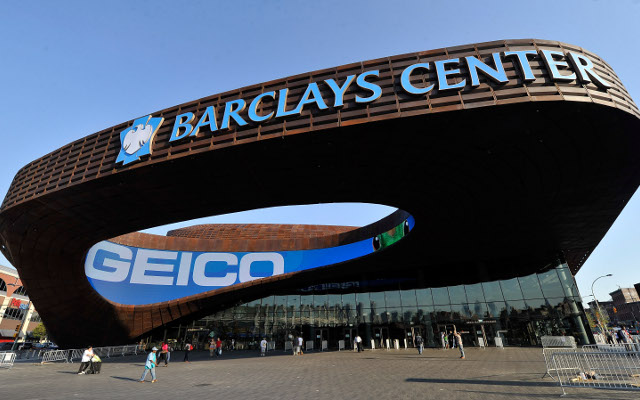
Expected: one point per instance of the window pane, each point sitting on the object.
(516, 308)
(293, 302)
(408, 298)
(550, 283)
(335, 300)
(306, 300)
(511, 289)
(492, 291)
(424, 297)
(496, 308)
(477, 310)
(392, 298)
(377, 300)
(457, 295)
(474, 293)
(530, 287)
(349, 301)
(281, 300)
(363, 300)
(440, 296)
(460, 311)
(320, 300)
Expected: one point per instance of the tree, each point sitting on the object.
(40, 331)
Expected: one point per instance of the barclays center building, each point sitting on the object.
(507, 162)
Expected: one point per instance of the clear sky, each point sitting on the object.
(72, 68)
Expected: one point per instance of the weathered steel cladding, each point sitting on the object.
(59, 205)
(94, 156)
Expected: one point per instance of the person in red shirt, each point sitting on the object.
(218, 347)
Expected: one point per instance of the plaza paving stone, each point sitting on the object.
(512, 373)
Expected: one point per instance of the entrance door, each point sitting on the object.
(349, 335)
(411, 334)
(321, 334)
(379, 337)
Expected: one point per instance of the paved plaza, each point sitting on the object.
(512, 373)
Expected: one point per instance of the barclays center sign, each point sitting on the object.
(137, 140)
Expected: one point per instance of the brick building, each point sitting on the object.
(14, 304)
(627, 305)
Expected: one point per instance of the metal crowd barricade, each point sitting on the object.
(309, 345)
(340, 345)
(601, 370)
(324, 345)
(55, 355)
(7, 358)
(556, 344)
(288, 346)
(612, 348)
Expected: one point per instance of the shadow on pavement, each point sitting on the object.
(577, 395)
(126, 378)
(483, 382)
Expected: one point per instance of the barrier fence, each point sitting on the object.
(556, 344)
(55, 355)
(611, 348)
(7, 358)
(103, 352)
(603, 370)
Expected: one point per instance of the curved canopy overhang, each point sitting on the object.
(503, 178)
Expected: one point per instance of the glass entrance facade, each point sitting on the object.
(518, 311)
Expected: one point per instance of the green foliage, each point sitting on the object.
(40, 331)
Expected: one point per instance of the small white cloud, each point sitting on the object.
(136, 137)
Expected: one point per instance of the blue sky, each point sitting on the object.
(71, 68)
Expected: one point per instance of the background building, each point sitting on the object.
(627, 305)
(15, 307)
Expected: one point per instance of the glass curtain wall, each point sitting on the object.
(518, 311)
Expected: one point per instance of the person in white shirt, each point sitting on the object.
(86, 360)
(359, 341)
(300, 343)
(263, 347)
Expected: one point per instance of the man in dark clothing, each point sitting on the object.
(419, 343)
(187, 350)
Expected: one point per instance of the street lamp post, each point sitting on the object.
(598, 304)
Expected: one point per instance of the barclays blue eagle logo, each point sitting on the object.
(135, 141)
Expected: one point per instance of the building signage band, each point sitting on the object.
(136, 276)
(136, 141)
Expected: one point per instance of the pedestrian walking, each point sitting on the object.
(458, 339)
(263, 347)
(452, 342)
(218, 347)
(419, 343)
(300, 343)
(212, 348)
(86, 360)
(233, 344)
(150, 366)
(187, 350)
(355, 344)
(359, 341)
(164, 353)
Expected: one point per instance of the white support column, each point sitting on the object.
(25, 326)
(5, 304)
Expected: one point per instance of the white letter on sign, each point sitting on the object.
(121, 266)
(201, 262)
(245, 265)
(142, 265)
